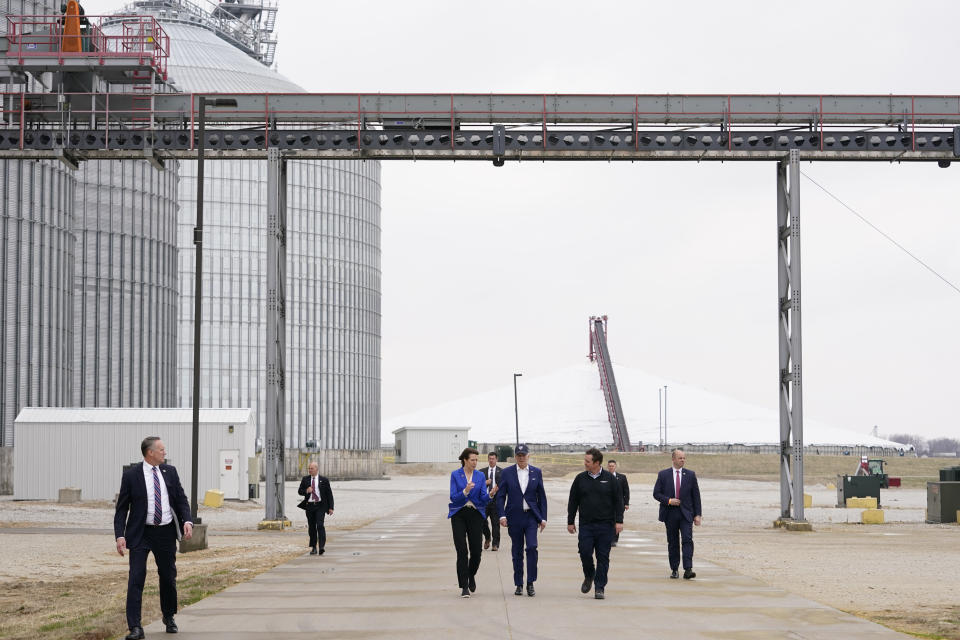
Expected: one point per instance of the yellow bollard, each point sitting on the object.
(213, 498)
(872, 516)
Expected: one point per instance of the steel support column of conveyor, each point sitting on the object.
(791, 379)
(276, 334)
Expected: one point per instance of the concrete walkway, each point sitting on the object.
(395, 579)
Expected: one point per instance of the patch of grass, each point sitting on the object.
(52, 626)
(72, 610)
(919, 623)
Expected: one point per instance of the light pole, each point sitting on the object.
(665, 414)
(660, 415)
(516, 412)
(197, 290)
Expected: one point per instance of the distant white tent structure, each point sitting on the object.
(567, 406)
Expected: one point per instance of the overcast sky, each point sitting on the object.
(489, 271)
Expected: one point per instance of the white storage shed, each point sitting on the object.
(88, 448)
(429, 444)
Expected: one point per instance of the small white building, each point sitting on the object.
(88, 448)
(429, 444)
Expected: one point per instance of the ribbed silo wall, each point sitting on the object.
(125, 319)
(333, 275)
(37, 262)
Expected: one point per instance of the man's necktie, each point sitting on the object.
(157, 505)
(313, 483)
(676, 485)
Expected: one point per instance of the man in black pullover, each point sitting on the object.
(597, 496)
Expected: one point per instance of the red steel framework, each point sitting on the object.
(43, 37)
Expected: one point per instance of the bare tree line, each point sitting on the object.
(929, 447)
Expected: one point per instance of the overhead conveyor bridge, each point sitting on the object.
(492, 127)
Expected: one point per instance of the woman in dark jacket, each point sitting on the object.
(468, 501)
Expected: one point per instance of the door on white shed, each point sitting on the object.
(230, 473)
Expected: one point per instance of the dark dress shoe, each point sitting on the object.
(171, 625)
(674, 574)
(464, 593)
(598, 594)
(135, 634)
(518, 591)
(613, 544)
(313, 551)
(688, 574)
(320, 552)
(585, 587)
(530, 590)
(472, 584)
(494, 548)
(486, 544)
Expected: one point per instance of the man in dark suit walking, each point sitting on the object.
(318, 503)
(522, 505)
(678, 493)
(493, 475)
(152, 515)
(624, 490)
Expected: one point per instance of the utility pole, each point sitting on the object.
(665, 440)
(516, 412)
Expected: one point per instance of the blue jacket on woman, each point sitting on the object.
(478, 495)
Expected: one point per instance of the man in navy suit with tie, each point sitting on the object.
(678, 493)
(318, 503)
(152, 514)
(522, 505)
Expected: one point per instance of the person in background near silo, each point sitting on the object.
(678, 493)
(624, 489)
(596, 495)
(522, 504)
(152, 515)
(492, 472)
(468, 501)
(318, 503)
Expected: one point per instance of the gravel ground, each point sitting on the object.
(357, 502)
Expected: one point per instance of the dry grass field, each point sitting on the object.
(915, 472)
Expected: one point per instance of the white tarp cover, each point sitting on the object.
(567, 406)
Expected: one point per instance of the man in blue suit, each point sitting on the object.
(522, 505)
(152, 514)
(678, 493)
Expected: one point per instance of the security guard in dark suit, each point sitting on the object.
(491, 524)
(624, 489)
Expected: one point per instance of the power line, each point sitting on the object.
(878, 230)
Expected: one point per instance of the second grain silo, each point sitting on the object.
(333, 253)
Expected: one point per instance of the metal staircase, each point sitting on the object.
(600, 354)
